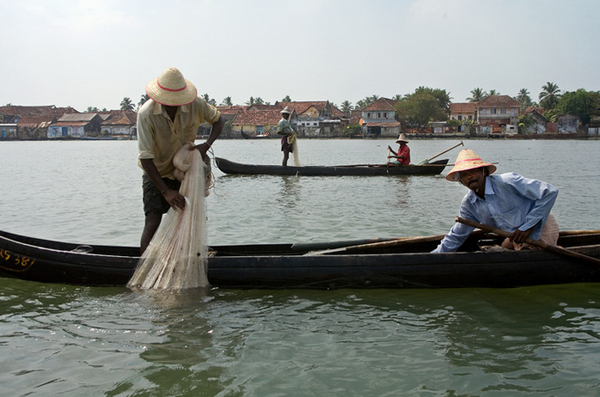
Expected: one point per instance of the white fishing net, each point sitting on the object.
(293, 140)
(176, 258)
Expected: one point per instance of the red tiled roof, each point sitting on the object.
(258, 117)
(50, 110)
(499, 100)
(33, 121)
(121, 117)
(380, 124)
(532, 109)
(382, 104)
(231, 109)
(301, 107)
(466, 107)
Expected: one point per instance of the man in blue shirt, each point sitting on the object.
(509, 202)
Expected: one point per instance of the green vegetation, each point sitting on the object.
(424, 105)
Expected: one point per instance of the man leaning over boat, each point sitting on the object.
(509, 202)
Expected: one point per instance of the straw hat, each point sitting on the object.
(286, 110)
(468, 160)
(402, 138)
(171, 89)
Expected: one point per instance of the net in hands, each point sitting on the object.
(176, 257)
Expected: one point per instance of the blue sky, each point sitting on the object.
(94, 53)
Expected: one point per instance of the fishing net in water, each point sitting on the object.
(176, 258)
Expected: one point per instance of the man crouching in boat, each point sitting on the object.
(509, 202)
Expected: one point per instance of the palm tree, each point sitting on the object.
(143, 100)
(524, 98)
(397, 97)
(549, 96)
(494, 92)
(250, 101)
(227, 102)
(478, 95)
(346, 107)
(286, 99)
(209, 100)
(126, 104)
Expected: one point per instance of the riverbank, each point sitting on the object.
(409, 136)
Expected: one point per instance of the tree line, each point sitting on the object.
(427, 104)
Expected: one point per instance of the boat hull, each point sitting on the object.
(230, 167)
(288, 266)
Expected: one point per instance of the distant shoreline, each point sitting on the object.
(409, 136)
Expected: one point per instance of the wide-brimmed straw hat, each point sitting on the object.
(402, 138)
(468, 160)
(171, 89)
(286, 110)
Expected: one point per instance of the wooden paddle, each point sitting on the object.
(383, 244)
(439, 154)
(541, 244)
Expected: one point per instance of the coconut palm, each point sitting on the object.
(227, 102)
(209, 100)
(477, 95)
(494, 92)
(524, 98)
(286, 99)
(126, 104)
(144, 98)
(549, 96)
(346, 107)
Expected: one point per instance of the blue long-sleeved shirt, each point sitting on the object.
(511, 202)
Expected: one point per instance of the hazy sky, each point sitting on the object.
(94, 53)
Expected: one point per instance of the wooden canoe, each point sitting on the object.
(257, 136)
(279, 266)
(230, 167)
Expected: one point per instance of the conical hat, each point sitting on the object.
(171, 89)
(468, 160)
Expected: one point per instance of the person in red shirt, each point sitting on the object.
(403, 155)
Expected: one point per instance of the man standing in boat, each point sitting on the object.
(509, 202)
(288, 141)
(403, 155)
(167, 121)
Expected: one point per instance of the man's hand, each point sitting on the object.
(175, 200)
(202, 148)
(519, 236)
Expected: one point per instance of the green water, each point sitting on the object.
(73, 341)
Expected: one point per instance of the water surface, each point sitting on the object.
(72, 341)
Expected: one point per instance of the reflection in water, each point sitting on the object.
(264, 342)
(58, 340)
(289, 193)
(402, 190)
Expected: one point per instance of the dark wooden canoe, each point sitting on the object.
(287, 266)
(258, 136)
(230, 167)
